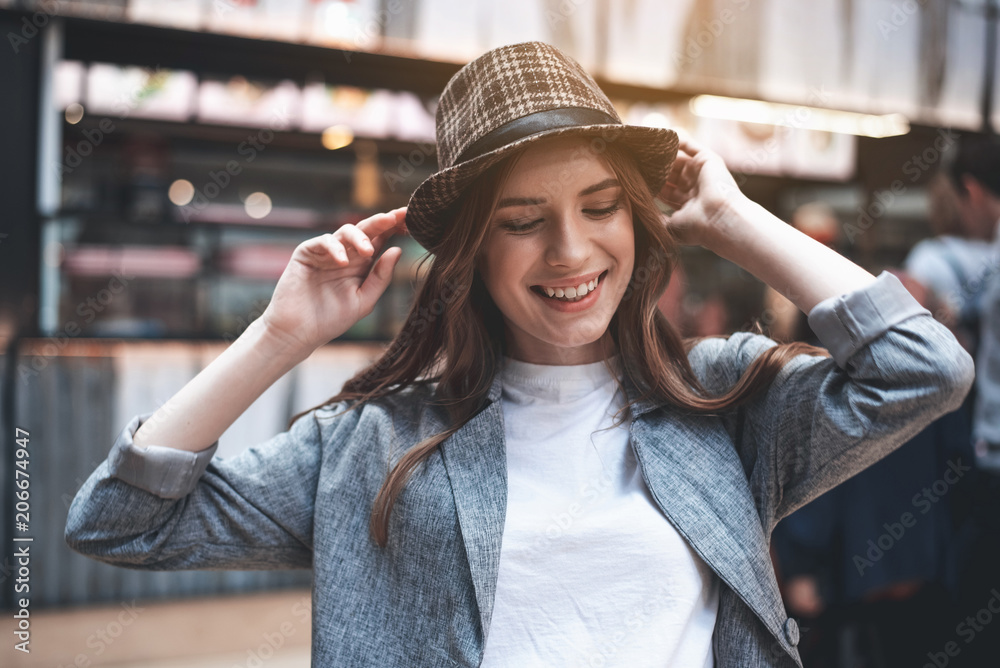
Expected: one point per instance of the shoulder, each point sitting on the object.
(975, 251)
(719, 361)
(926, 254)
(940, 254)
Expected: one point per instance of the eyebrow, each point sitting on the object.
(528, 201)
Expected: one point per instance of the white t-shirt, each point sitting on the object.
(929, 263)
(591, 571)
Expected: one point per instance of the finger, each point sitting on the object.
(379, 277)
(382, 222)
(398, 229)
(689, 173)
(690, 145)
(328, 247)
(354, 239)
(676, 167)
(675, 184)
(675, 203)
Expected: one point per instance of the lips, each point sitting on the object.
(574, 288)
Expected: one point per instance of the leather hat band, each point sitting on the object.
(540, 121)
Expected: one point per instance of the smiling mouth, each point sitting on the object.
(562, 294)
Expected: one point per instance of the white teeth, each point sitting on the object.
(571, 293)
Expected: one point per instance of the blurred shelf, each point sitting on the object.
(154, 46)
(323, 223)
(136, 261)
(234, 134)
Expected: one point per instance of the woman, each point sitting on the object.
(529, 476)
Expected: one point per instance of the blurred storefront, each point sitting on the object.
(163, 158)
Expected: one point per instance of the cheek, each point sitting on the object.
(498, 268)
(625, 245)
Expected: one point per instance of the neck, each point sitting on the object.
(597, 351)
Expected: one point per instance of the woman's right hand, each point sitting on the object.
(331, 281)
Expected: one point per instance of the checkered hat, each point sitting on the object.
(506, 98)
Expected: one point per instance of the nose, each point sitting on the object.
(568, 243)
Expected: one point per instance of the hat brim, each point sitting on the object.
(432, 205)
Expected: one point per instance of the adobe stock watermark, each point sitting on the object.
(588, 496)
(710, 31)
(641, 275)
(769, 316)
(122, 107)
(6, 569)
(923, 500)
(408, 164)
(637, 619)
(556, 16)
(795, 119)
(900, 13)
(579, 160)
(30, 25)
(66, 498)
(915, 167)
(256, 310)
(366, 37)
(426, 316)
(221, 179)
(167, 410)
(967, 629)
(105, 636)
(87, 310)
(958, 300)
(272, 641)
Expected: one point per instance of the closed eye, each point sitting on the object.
(605, 212)
(514, 226)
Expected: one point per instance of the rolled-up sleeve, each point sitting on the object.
(159, 508)
(893, 370)
(166, 472)
(846, 323)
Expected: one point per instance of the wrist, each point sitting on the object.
(276, 344)
(733, 226)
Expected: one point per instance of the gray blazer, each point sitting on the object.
(303, 498)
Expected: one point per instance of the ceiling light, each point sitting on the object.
(799, 116)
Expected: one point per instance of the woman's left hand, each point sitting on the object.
(702, 193)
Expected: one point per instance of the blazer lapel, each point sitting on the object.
(690, 467)
(475, 459)
(697, 479)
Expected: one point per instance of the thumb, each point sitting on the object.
(379, 277)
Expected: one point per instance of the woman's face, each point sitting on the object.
(562, 222)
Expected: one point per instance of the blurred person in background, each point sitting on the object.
(955, 263)
(975, 175)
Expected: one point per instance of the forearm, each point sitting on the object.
(202, 410)
(799, 267)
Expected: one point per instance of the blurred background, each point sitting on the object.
(161, 159)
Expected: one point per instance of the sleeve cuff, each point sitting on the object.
(846, 323)
(166, 472)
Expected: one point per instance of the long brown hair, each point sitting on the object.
(454, 333)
